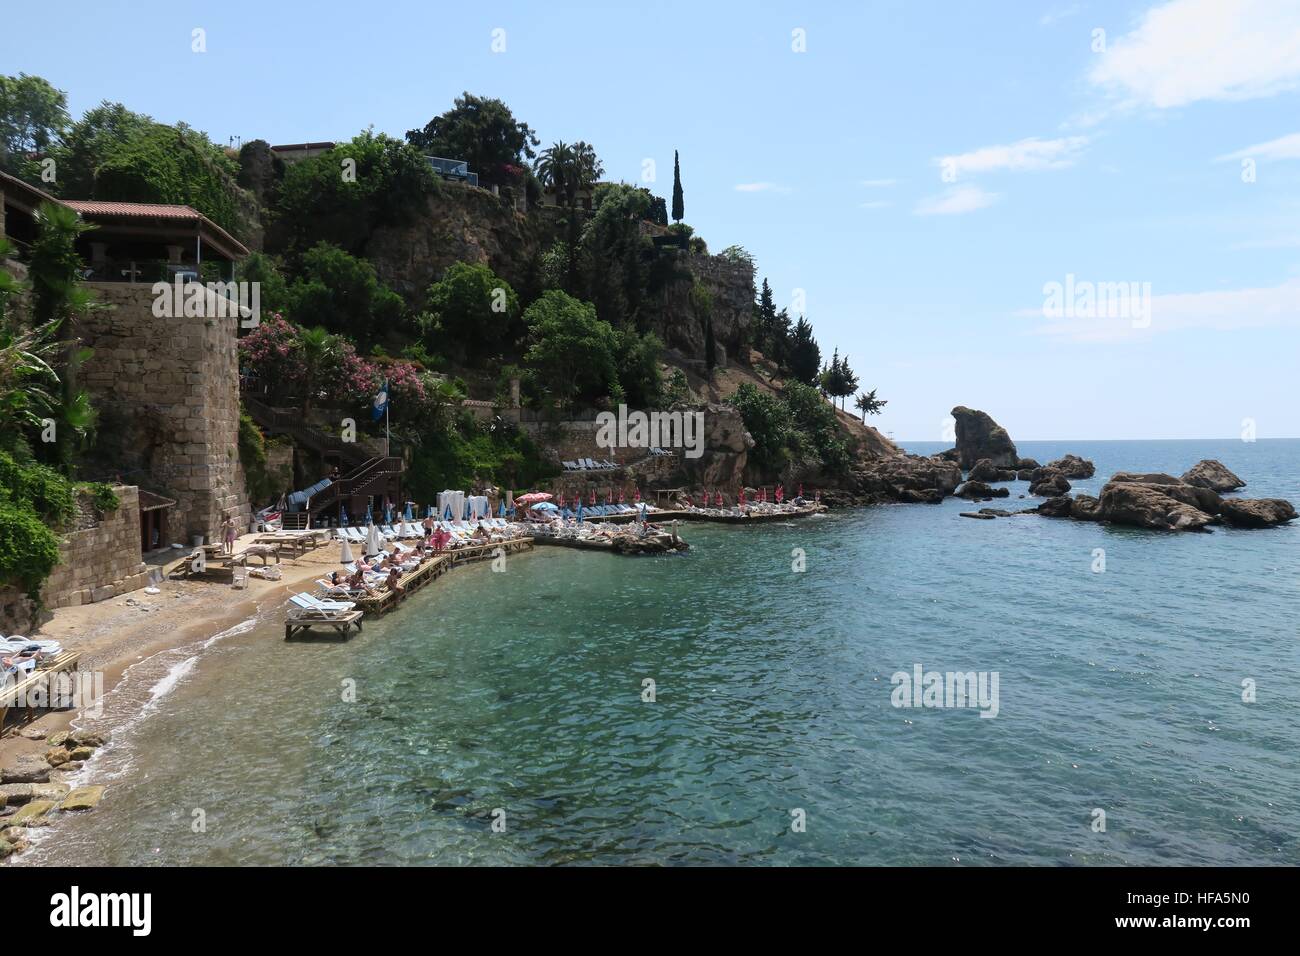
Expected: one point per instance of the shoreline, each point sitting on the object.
(113, 635)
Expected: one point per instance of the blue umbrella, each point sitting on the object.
(545, 506)
(428, 511)
(388, 514)
(467, 511)
(446, 514)
(369, 517)
(343, 516)
(408, 516)
(579, 511)
(502, 512)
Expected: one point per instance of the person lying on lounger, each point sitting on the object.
(394, 579)
(358, 582)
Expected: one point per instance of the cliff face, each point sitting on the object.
(461, 223)
(465, 224)
(676, 319)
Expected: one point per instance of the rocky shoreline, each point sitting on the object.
(36, 789)
(985, 455)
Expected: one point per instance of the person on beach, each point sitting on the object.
(358, 582)
(394, 579)
(227, 535)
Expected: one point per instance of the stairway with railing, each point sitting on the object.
(367, 472)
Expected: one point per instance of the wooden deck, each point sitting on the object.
(18, 699)
(435, 568)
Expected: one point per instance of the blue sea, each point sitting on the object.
(1148, 712)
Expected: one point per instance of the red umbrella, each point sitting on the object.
(533, 497)
(741, 497)
(637, 498)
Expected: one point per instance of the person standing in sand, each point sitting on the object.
(228, 535)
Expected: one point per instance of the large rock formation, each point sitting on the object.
(1212, 474)
(1072, 466)
(985, 470)
(1202, 498)
(1047, 482)
(1257, 512)
(907, 478)
(1149, 506)
(726, 448)
(979, 436)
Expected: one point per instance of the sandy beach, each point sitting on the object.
(114, 634)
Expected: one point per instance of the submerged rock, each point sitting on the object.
(979, 436)
(1058, 507)
(1212, 474)
(978, 491)
(1072, 466)
(1257, 512)
(83, 798)
(977, 514)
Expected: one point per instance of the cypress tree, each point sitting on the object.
(678, 207)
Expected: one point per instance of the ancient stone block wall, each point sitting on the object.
(101, 561)
(673, 317)
(167, 391)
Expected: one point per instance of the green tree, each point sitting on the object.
(769, 423)
(679, 208)
(114, 154)
(470, 310)
(637, 359)
(868, 404)
(33, 114)
(804, 357)
(317, 351)
(344, 194)
(571, 354)
(481, 131)
(612, 254)
(273, 290)
(341, 293)
(58, 299)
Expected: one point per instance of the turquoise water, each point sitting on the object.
(522, 692)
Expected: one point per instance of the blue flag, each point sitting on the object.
(380, 405)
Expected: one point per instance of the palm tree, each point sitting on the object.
(553, 167)
(317, 349)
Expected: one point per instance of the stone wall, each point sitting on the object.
(167, 392)
(101, 561)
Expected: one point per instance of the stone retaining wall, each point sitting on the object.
(102, 561)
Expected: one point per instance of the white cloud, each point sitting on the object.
(1023, 156)
(1058, 13)
(954, 202)
(760, 188)
(1233, 310)
(1190, 50)
(1284, 147)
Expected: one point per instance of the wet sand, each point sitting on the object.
(114, 634)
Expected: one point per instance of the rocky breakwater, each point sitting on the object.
(1163, 502)
(913, 479)
(34, 790)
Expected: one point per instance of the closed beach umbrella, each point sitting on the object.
(409, 516)
(446, 513)
(345, 553)
(579, 510)
(343, 517)
(373, 545)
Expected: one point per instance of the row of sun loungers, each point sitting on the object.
(309, 607)
(588, 464)
(411, 530)
(599, 511)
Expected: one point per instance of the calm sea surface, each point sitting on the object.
(517, 696)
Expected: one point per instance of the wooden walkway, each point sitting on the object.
(435, 568)
(24, 696)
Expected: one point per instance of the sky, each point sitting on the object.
(943, 188)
